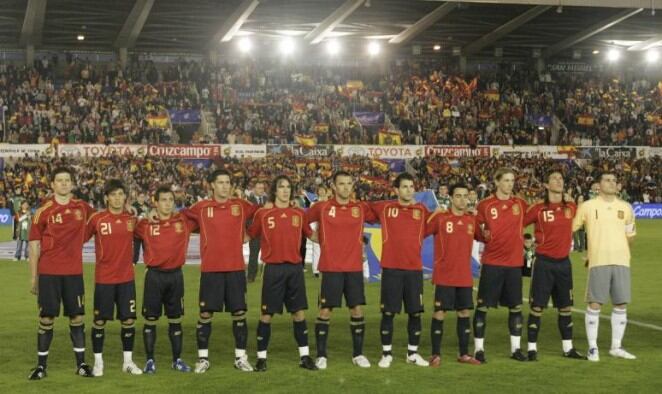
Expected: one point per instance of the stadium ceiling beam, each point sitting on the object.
(423, 23)
(232, 25)
(134, 24)
(652, 42)
(591, 31)
(330, 22)
(504, 29)
(33, 23)
(645, 4)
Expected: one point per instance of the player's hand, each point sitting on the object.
(34, 286)
(246, 238)
(568, 196)
(152, 216)
(487, 235)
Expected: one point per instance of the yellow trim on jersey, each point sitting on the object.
(41, 209)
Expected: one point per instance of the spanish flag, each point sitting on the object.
(160, 120)
(389, 138)
(492, 95)
(305, 140)
(380, 164)
(585, 120)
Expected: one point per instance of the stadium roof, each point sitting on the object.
(476, 27)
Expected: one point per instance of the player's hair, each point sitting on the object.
(163, 189)
(113, 185)
(503, 171)
(405, 176)
(62, 170)
(528, 236)
(220, 172)
(274, 187)
(547, 176)
(451, 190)
(340, 173)
(606, 172)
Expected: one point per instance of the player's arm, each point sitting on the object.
(141, 229)
(630, 228)
(432, 224)
(308, 232)
(374, 207)
(580, 218)
(255, 229)
(481, 230)
(531, 215)
(313, 215)
(37, 229)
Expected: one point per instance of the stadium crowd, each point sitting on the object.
(26, 179)
(274, 103)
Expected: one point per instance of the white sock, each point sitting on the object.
(412, 348)
(128, 357)
(262, 354)
(303, 351)
(203, 353)
(478, 344)
(515, 343)
(567, 345)
(619, 320)
(238, 353)
(387, 348)
(592, 321)
(533, 346)
(98, 358)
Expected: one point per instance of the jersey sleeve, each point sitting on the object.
(255, 229)
(191, 224)
(249, 209)
(432, 224)
(630, 227)
(39, 222)
(91, 227)
(141, 229)
(313, 213)
(369, 213)
(531, 215)
(375, 207)
(192, 213)
(307, 231)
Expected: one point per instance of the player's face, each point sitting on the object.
(62, 184)
(608, 185)
(283, 191)
(473, 196)
(528, 243)
(406, 191)
(460, 198)
(595, 188)
(165, 204)
(443, 190)
(343, 187)
(555, 183)
(506, 183)
(116, 199)
(25, 207)
(141, 198)
(321, 193)
(259, 189)
(222, 187)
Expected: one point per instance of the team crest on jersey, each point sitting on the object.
(470, 228)
(130, 225)
(179, 227)
(356, 212)
(78, 214)
(568, 213)
(235, 210)
(416, 214)
(621, 214)
(516, 210)
(67, 211)
(296, 220)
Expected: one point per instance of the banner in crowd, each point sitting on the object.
(100, 150)
(185, 151)
(248, 151)
(647, 211)
(160, 120)
(370, 118)
(6, 218)
(185, 116)
(540, 120)
(604, 152)
(571, 67)
(528, 151)
(20, 150)
(381, 152)
(389, 138)
(457, 151)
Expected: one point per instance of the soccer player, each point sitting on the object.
(499, 222)
(56, 267)
(165, 242)
(403, 230)
(610, 228)
(340, 233)
(114, 280)
(222, 222)
(453, 240)
(280, 229)
(552, 271)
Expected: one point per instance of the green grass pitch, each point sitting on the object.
(551, 373)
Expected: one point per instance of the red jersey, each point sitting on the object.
(280, 231)
(166, 241)
(504, 219)
(222, 229)
(553, 228)
(403, 231)
(340, 234)
(113, 246)
(61, 232)
(453, 241)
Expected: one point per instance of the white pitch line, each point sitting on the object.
(605, 317)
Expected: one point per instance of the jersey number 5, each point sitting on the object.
(271, 222)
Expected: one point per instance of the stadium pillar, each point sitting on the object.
(463, 64)
(29, 55)
(124, 56)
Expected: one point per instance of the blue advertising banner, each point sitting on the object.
(184, 116)
(647, 211)
(6, 218)
(370, 118)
